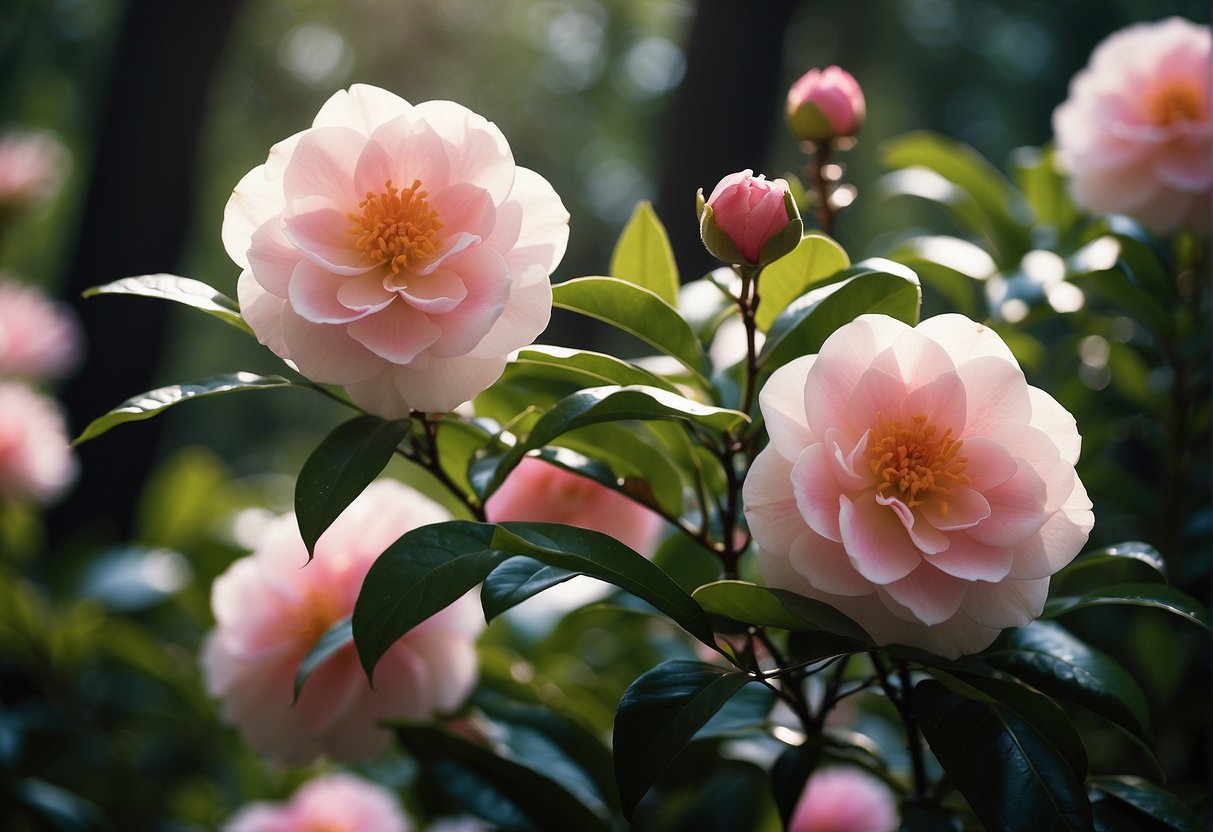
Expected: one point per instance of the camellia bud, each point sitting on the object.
(749, 220)
(826, 104)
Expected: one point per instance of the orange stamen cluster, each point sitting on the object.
(916, 461)
(1178, 101)
(313, 615)
(397, 227)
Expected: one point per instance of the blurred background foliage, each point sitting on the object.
(164, 107)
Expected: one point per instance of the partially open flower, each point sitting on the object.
(39, 338)
(32, 166)
(749, 219)
(36, 463)
(336, 803)
(844, 800)
(396, 250)
(916, 482)
(826, 104)
(1135, 133)
(272, 607)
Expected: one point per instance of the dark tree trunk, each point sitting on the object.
(134, 221)
(722, 115)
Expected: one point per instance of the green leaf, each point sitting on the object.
(334, 639)
(815, 259)
(643, 255)
(515, 581)
(601, 556)
(637, 311)
(1060, 665)
(182, 290)
(152, 403)
(1155, 801)
(1012, 777)
(1044, 188)
(1111, 556)
(874, 286)
(587, 369)
(1155, 596)
(752, 604)
(659, 714)
(508, 792)
(608, 404)
(340, 468)
(988, 204)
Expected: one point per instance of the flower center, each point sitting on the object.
(313, 615)
(396, 227)
(916, 460)
(1179, 100)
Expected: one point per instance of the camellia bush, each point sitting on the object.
(847, 574)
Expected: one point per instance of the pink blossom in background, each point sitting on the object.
(396, 250)
(39, 337)
(844, 800)
(540, 492)
(825, 104)
(750, 210)
(272, 606)
(335, 803)
(1134, 133)
(916, 482)
(36, 463)
(32, 166)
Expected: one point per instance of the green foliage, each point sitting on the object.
(181, 290)
(643, 255)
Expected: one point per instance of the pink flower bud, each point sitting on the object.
(826, 104)
(844, 800)
(744, 213)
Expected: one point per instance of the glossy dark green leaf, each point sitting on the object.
(459, 441)
(927, 819)
(1155, 596)
(183, 290)
(1131, 551)
(637, 311)
(510, 793)
(342, 466)
(1153, 800)
(1012, 777)
(791, 771)
(752, 604)
(1055, 662)
(605, 558)
(658, 716)
(815, 259)
(643, 255)
(334, 639)
(515, 581)
(154, 402)
(874, 286)
(1044, 188)
(588, 369)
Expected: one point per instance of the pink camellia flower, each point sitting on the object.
(1134, 134)
(749, 211)
(31, 168)
(271, 608)
(39, 338)
(844, 800)
(396, 250)
(916, 482)
(826, 104)
(335, 803)
(538, 491)
(36, 463)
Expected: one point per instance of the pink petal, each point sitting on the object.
(482, 270)
(1008, 603)
(365, 293)
(969, 560)
(478, 151)
(464, 207)
(323, 165)
(320, 230)
(1038, 451)
(876, 541)
(331, 691)
(437, 292)
(1059, 540)
(429, 384)
(942, 400)
(965, 508)
(874, 395)
(532, 225)
(770, 507)
(326, 353)
(526, 315)
(1055, 421)
(826, 565)
(915, 359)
(255, 199)
(1017, 510)
(362, 108)
(925, 537)
(988, 464)
(850, 467)
(931, 595)
(817, 491)
(963, 339)
(272, 258)
(403, 150)
(397, 334)
(782, 400)
(845, 356)
(263, 312)
(997, 395)
(313, 295)
(455, 244)
(453, 665)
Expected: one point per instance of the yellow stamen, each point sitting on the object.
(1178, 101)
(916, 461)
(313, 615)
(397, 227)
